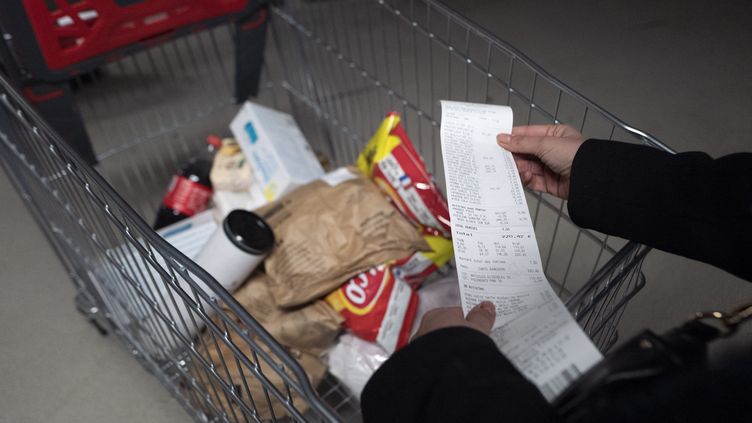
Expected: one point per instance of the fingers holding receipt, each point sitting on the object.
(497, 254)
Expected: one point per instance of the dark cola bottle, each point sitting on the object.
(190, 188)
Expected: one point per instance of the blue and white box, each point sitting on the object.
(279, 155)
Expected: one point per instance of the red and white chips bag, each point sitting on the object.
(377, 306)
(391, 161)
(416, 268)
(380, 305)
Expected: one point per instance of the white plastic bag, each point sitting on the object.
(353, 361)
(442, 293)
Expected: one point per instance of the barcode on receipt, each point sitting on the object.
(560, 382)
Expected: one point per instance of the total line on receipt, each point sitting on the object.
(496, 251)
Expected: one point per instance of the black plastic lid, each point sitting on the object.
(248, 232)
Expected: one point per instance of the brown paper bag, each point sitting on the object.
(311, 328)
(250, 389)
(327, 234)
(306, 331)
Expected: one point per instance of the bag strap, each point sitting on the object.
(647, 356)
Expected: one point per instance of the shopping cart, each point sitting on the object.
(338, 66)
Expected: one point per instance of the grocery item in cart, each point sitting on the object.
(190, 189)
(444, 292)
(279, 154)
(353, 361)
(235, 248)
(392, 162)
(377, 307)
(190, 235)
(248, 387)
(311, 328)
(305, 332)
(227, 201)
(230, 170)
(232, 181)
(416, 268)
(156, 273)
(327, 234)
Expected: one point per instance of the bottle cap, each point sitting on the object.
(214, 141)
(229, 147)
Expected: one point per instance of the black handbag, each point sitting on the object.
(621, 384)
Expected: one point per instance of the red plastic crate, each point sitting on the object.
(77, 30)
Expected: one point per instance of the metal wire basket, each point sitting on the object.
(338, 66)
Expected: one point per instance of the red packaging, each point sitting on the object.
(377, 306)
(391, 161)
(186, 196)
(416, 268)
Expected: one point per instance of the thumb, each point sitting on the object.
(523, 144)
(482, 316)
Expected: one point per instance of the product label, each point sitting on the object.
(394, 319)
(398, 178)
(414, 269)
(186, 196)
(363, 291)
(415, 264)
(338, 176)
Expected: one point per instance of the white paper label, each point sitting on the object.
(497, 254)
(338, 176)
(189, 235)
(391, 325)
(397, 178)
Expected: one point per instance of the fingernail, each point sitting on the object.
(489, 307)
(503, 138)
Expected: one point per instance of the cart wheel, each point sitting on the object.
(93, 314)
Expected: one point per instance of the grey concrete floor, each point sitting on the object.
(679, 69)
(55, 366)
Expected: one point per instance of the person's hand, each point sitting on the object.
(480, 318)
(544, 155)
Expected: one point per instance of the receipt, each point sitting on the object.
(497, 254)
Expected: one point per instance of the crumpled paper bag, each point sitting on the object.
(327, 234)
(311, 328)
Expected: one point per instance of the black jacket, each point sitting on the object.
(688, 204)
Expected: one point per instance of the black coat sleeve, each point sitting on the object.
(688, 204)
(452, 375)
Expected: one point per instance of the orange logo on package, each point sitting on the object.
(361, 293)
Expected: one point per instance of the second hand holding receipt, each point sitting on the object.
(497, 254)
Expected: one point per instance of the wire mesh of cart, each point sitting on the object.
(338, 66)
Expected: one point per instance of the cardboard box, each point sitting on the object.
(277, 151)
(189, 235)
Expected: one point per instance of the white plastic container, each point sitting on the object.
(229, 251)
(236, 248)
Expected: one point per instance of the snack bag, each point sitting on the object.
(377, 306)
(230, 171)
(415, 268)
(391, 161)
